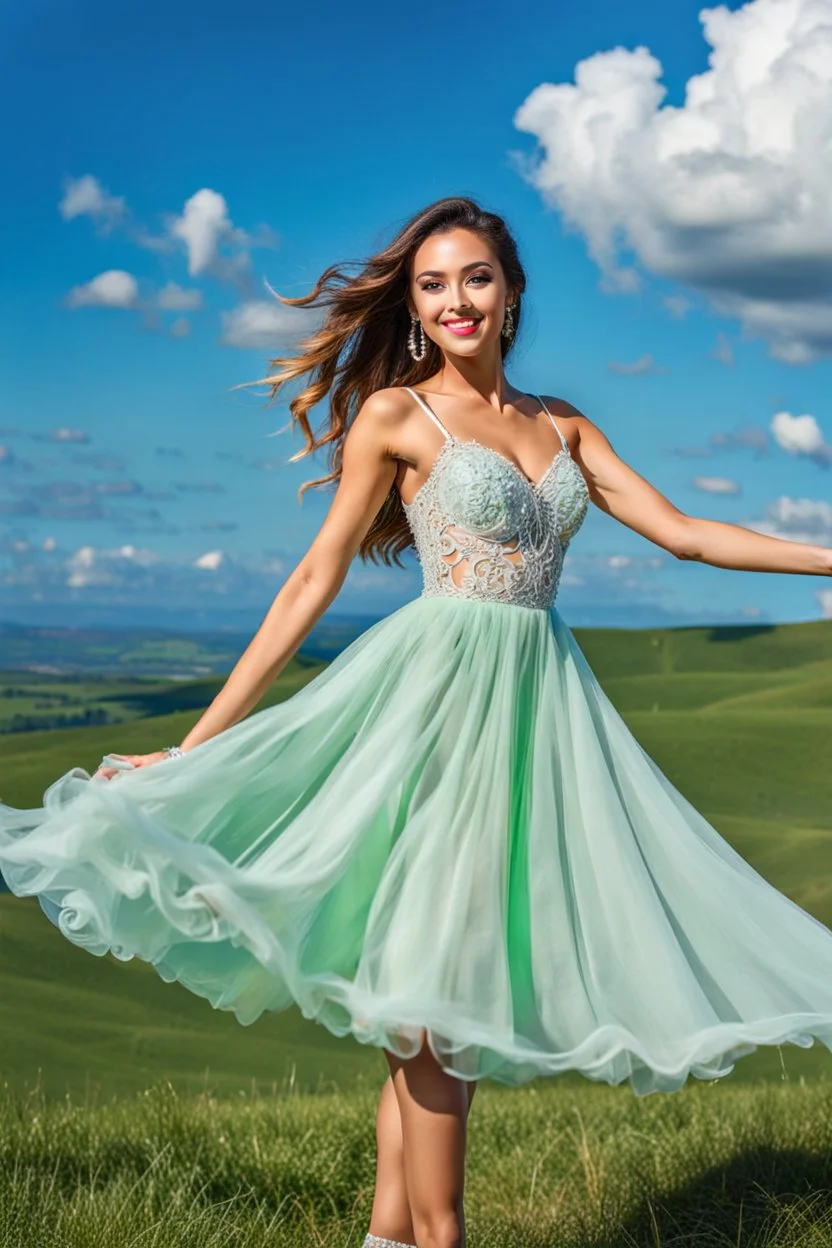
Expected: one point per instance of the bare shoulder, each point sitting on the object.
(575, 424)
(386, 406)
(382, 415)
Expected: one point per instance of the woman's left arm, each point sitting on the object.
(621, 492)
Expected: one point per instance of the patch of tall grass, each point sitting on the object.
(548, 1167)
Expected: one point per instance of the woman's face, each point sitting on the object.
(458, 290)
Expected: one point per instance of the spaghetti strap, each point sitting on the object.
(430, 412)
(554, 422)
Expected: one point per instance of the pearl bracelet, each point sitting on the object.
(173, 751)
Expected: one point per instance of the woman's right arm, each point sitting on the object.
(368, 470)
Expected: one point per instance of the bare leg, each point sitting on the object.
(390, 1218)
(426, 1148)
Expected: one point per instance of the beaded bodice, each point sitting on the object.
(483, 530)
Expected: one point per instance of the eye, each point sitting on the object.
(484, 277)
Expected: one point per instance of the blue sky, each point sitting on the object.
(166, 162)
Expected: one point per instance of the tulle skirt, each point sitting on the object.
(449, 837)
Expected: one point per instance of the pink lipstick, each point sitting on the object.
(463, 327)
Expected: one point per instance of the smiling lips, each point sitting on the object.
(462, 327)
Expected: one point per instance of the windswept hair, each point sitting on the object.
(361, 346)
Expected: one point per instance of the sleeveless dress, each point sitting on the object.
(449, 829)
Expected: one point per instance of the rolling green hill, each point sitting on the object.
(739, 719)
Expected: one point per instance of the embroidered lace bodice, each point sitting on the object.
(483, 530)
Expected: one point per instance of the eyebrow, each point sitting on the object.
(439, 273)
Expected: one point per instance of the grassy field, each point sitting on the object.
(738, 719)
(712, 1166)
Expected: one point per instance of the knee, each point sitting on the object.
(438, 1230)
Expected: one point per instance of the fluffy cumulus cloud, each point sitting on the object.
(213, 243)
(264, 323)
(203, 225)
(801, 435)
(87, 197)
(113, 289)
(727, 194)
(797, 520)
(203, 231)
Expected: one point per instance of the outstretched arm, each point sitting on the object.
(621, 492)
(367, 472)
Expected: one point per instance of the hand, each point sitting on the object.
(138, 760)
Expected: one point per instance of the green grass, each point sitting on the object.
(550, 1166)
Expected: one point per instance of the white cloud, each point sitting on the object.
(209, 235)
(824, 597)
(113, 289)
(798, 520)
(180, 328)
(726, 194)
(801, 435)
(90, 566)
(86, 197)
(175, 298)
(210, 561)
(716, 485)
(203, 224)
(264, 324)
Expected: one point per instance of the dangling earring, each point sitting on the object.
(419, 352)
(508, 322)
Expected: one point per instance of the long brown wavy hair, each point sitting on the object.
(361, 346)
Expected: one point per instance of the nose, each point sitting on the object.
(459, 300)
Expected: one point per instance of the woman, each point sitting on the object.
(448, 843)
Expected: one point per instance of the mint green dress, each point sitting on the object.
(449, 829)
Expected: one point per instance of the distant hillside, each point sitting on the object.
(53, 678)
(155, 652)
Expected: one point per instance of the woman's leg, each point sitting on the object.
(390, 1218)
(425, 1149)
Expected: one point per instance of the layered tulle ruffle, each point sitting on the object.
(450, 828)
